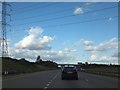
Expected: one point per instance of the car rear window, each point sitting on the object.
(69, 69)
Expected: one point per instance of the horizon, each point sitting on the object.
(79, 63)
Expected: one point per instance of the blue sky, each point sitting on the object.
(73, 39)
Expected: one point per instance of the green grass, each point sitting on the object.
(14, 66)
(107, 71)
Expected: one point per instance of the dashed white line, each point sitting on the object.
(48, 84)
(86, 80)
(45, 87)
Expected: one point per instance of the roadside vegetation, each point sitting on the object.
(101, 69)
(12, 66)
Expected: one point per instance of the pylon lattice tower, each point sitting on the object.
(4, 41)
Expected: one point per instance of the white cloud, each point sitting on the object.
(103, 59)
(108, 59)
(60, 56)
(34, 40)
(109, 19)
(90, 3)
(69, 50)
(35, 31)
(78, 10)
(87, 43)
(105, 52)
(36, 44)
(111, 44)
(0, 42)
(94, 57)
(116, 54)
(46, 39)
(89, 48)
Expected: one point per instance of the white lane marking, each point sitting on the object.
(48, 84)
(45, 87)
(86, 80)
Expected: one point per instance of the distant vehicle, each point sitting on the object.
(69, 73)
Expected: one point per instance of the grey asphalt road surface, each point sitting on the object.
(52, 79)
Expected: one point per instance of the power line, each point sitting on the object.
(35, 8)
(25, 7)
(66, 16)
(90, 20)
(78, 22)
(61, 12)
(47, 14)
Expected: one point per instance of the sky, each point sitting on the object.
(64, 32)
